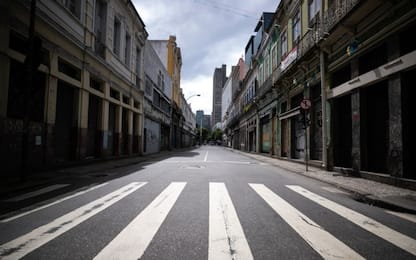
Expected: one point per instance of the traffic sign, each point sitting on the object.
(305, 104)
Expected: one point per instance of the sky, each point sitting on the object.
(209, 32)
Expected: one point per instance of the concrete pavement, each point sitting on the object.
(372, 192)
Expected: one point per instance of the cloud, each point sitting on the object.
(199, 85)
(209, 32)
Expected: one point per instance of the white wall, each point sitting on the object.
(226, 97)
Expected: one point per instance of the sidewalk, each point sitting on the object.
(371, 192)
(14, 185)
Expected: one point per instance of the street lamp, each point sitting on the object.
(200, 131)
(198, 95)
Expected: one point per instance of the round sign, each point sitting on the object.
(305, 104)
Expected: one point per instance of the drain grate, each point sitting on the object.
(193, 167)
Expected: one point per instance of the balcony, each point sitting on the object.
(309, 39)
(336, 12)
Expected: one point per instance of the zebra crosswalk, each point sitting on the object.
(227, 237)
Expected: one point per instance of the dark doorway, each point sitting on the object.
(65, 143)
(374, 127)
(94, 113)
(342, 132)
(316, 123)
(125, 132)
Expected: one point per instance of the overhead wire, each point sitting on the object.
(226, 7)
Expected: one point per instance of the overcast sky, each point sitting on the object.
(209, 32)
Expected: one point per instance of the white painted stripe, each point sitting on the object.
(52, 203)
(36, 193)
(406, 216)
(25, 244)
(206, 157)
(133, 240)
(226, 235)
(328, 246)
(394, 237)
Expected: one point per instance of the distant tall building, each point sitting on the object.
(199, 118)
(220, 77)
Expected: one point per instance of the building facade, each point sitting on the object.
(189, 124)
(171, 56)
(157, 103)
(85, 99)
(329, 82)
(220, 76)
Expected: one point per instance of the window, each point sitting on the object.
(267, 67)
(100, 26)
(116, 36)
(296, 27)
(127, 50)
(96, 84)
(114, 94)
(161, 81)
(283, 40)
(148, 88)
(74, 6)
(138, 61)
(68, 69)
(274, 56)
(314, 8)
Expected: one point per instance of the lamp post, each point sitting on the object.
(198, 95)
(200, 128)
(200, 131)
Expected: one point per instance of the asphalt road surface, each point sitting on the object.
(207, 203)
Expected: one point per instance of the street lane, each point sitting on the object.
(187, 225)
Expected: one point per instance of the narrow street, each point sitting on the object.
(205, 203)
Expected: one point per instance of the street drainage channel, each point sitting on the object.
(193, 167)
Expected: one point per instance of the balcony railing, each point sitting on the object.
(336, 12)
(308, 40)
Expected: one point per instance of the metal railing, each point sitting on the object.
(336, 12)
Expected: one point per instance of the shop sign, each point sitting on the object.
(291, 57)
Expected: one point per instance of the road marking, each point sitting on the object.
(394, 237)
(406, 216)
(52, 203)
(206, 157)
(328, 246)
(25, 244)
(133, 240)
(226, 236)
(36, 192)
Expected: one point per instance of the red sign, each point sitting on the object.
(305, 104)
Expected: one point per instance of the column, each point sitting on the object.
(82, 127)
(129, 131)
(103, 133)
(395, 152)
(117, 132)
(355, 124)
